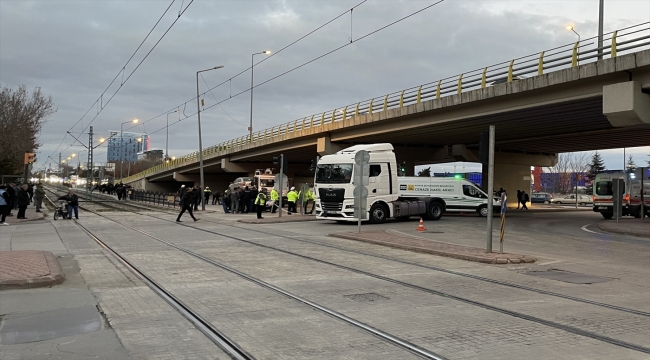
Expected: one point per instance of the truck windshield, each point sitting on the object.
(267, 182)
(334, 173)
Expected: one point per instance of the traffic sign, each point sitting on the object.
(362, 157)
(362, 189)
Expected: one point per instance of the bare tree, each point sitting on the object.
(562, 177)
(21, 119)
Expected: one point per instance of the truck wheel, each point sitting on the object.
(435, 211)
(482, 211)
(607, 215)
(378, 214)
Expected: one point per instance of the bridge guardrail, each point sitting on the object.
(622, 41)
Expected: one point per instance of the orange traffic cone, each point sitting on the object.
(421, 226)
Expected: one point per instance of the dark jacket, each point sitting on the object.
(23, 197)
(71, 199)
(187, 199)
(12, 194)
(246, 196)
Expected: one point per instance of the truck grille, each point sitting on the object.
(331, 206)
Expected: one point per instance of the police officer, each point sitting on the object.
(292, 197)
(275, 197)
(206, 193)
(260, 203)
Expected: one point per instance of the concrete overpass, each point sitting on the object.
(584, 104)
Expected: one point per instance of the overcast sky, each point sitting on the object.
(73, 49)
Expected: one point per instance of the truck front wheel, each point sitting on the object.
(378, 213)
(435, 211)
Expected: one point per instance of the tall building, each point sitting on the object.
(127, 146)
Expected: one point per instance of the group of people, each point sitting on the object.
(522, 198)
(18, 196)
(119, 189)
(238, 199)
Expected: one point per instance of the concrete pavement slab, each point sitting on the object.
(627, 226)
(416, 244)
(30, 216)
(25, 269)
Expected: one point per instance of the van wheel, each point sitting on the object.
(482, 210)
(607, 215)
(378, 213)
(435, 211)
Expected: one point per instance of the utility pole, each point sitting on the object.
(59, 169)
(601, 16)
(89, 181)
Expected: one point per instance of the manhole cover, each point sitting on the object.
(569, 277)
(365, 297)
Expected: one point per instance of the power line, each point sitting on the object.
(261, 61)
(308, 62)
(122, 70)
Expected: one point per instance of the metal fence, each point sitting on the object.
(619, 42)
(156, 198)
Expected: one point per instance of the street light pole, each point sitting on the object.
(167, 140)
(198, 114)
(601, 15)
(250, 127)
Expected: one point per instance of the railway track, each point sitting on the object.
(384, 257)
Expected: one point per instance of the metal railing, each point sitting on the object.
(154, 197)
(623, 41)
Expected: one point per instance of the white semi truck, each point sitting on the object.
(390, 196)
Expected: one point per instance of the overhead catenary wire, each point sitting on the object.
(304, 64)
(122, 70)
(259, 62)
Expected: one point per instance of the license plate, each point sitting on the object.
(602, 208)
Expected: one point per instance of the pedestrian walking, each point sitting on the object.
(11, 190)
(260, 203)
(253, 203)
(4, 204)
(73, 204)
(225, 202)
(216, 198)
(234, 200)
(188, 203)
(119, 190)
(39, 195)
(23, 201)
(292, 197)
(309, 198)
(518, 198)
(524, 200)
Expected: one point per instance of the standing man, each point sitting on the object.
(39, 195)
(292, 197)
(188, 203)
(30, 191)
(23, 201)
(225, 201)
(518, 199)
(206, 193)
(309, 197)
(254, 193)
(11, 190)
(4, 204)
(119, 190)
(73, 204)
(234, 200)
(197, 196)
(246, 200)
(524, 200)
(260, 203)
(275, 197)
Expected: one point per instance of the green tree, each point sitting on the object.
(425, 172)
(631, 166)
(21, 118)
(596, 166)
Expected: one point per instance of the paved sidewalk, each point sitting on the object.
(274, 218)
(627, 226)
(25, 269)
(417, 244)
(30, 214)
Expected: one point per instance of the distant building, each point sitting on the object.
(155, 155)
(127, 146)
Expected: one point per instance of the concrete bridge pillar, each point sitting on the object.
(324, 146)
(512, 172)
